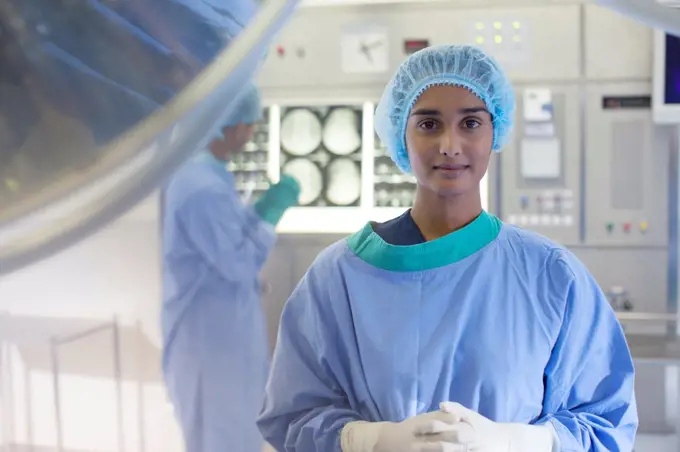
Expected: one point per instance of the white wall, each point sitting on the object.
(114, 272)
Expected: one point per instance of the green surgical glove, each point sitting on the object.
(279, 198)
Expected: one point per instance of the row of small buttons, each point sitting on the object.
(540, 220)
(547, 203)
(643, 226)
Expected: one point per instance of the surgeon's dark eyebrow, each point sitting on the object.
(471, 110)
(425, 112)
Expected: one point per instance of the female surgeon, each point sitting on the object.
(445, 329)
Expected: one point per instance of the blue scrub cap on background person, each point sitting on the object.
(248, 110)
(452, 65)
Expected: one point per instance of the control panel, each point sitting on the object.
(628, 165)
(540, 168)
(609, 188)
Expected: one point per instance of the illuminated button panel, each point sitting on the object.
(545, 220)
(505, 38)
(550, 208)
(498, 32)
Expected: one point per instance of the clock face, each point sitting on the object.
(365, 52)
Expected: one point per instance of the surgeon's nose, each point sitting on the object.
(450, 144)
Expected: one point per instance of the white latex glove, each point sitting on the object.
(475, 433)
(411, 435)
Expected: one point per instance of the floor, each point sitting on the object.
(644, 443)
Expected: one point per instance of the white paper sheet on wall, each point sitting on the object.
(540, 158)
(538, 104)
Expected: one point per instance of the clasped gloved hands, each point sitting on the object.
(277, 199)
(411, 435)
(452, 429)
(476, 433)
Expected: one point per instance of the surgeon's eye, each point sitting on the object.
(471, 123)
(427, 125)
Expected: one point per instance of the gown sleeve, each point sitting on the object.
(227, 234)
(589, 380)
(305, 407)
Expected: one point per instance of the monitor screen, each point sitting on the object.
(672, 70)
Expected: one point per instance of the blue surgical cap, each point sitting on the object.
(248, 110)
(452, 65)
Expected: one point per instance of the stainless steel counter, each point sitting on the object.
(655, 317)
(654, 350)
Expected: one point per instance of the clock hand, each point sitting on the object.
(366, 51)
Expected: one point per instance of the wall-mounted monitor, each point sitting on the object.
(666, 98)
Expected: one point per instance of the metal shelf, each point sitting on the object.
(666, 317)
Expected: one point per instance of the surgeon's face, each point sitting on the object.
(449, 136)
(235, 139)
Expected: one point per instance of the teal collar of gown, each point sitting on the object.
(451, 248)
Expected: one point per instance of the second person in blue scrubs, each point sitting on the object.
(215, 353)
(445, 329)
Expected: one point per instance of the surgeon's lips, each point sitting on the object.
(451, 169)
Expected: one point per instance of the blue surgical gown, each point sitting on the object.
(497, 318)
(215, 356)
